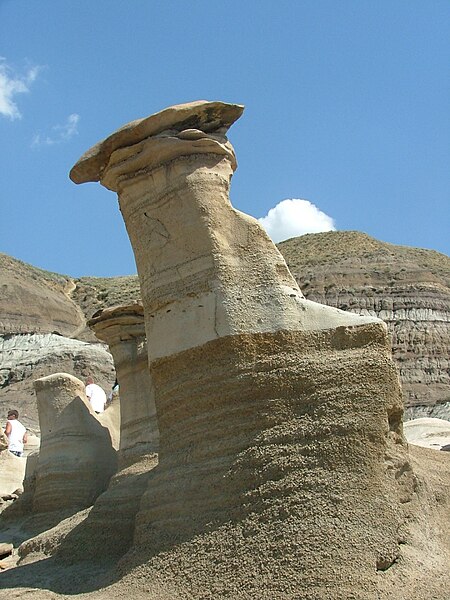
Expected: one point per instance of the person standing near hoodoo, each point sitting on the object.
(16, 433)
(96, 395)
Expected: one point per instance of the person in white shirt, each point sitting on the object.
(16, 433)
(96, 395)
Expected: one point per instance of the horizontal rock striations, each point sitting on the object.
(409, 288)
(35, 301)
(122, 328)
(276, 478)
(25, 357)
(406, 287)
(43, 330)
(282, 467)
(76, 459)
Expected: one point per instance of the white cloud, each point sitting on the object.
(294, 217)
(12, 84)
(60, 133)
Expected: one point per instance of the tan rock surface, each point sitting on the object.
(69, 429)
(47, 543)
(108, 531)
(409, 288)
(283, 472)
(12, 472)
(201, 115)
(122, 328)
(24, 505)
(425, 555)
(270, 407)
(34, 300)
(187, 237)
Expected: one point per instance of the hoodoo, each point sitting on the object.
(122, 328)
(76, 458)
(282, 466)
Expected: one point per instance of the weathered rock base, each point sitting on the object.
(282, 468)
(107, 532)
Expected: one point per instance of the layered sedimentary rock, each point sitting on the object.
(43, 330)
(33, 300)
(409, 288)
(280, 419)
(76, 459)
(122, 328)
(12, 472)
(26, 357)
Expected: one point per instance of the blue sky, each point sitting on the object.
(347, 107)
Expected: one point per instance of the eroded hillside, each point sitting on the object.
(409, 288)
(43, 315)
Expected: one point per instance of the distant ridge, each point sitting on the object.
(407, 287)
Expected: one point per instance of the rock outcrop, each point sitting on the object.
(283, 469)
(12, 472)
(26, 357)
(122, 328)
(76, 459)
(280, 419)
(36, 301)
(43, 330)
(409, 288)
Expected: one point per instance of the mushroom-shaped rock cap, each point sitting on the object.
(118, 323)
(127, 313)
(202, 114)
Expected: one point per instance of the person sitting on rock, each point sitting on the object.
(16, 433)
(96, 396)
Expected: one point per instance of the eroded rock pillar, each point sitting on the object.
(76, 459)
(122, 328)
(280, 419)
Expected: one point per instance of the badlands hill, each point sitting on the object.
(43, 315)
(409, 288)
(282, 471)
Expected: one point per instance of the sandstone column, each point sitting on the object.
(279, 418)
(76, 458)
(122, 328)
(114, 513)
(206, 270)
